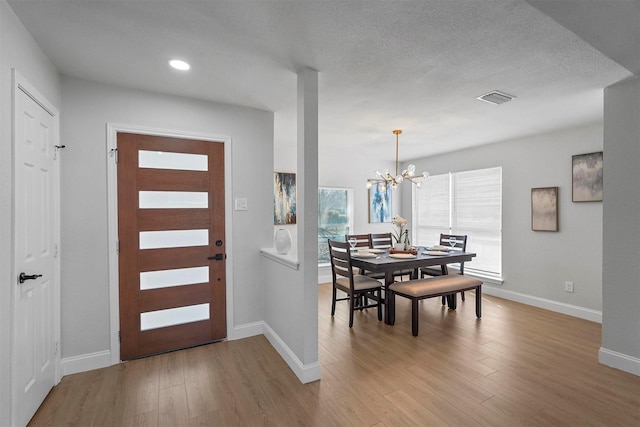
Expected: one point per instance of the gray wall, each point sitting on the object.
(17, 50)
(87, 108)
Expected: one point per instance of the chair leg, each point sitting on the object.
(333, 302)
(462, 293)
(414, 317)
(379, 305)
(478, 301)
(444, 300)
(352, 303)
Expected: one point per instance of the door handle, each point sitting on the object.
(217, 257)
(24, 277)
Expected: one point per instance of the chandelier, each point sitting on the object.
(409, 174)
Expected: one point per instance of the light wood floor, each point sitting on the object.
(518, 365)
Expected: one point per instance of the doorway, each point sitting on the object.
(171, 243)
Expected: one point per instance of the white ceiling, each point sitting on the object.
(383, 65)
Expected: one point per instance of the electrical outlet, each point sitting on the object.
(568, 286)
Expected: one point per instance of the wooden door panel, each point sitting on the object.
(169, 144)
(164, 259)
(173, 219)
(172, 180)
(176, 296)
(175, 337)
(133, 261)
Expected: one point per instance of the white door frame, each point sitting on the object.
(22, 84)
(112, 200)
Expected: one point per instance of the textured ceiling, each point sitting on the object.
(412, 65)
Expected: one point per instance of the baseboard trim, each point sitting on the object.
(86, 362)
(619, 361)
(305, 373)
(324, 273)
(246, 331)
(558, 307)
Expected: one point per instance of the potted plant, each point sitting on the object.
(401, 235)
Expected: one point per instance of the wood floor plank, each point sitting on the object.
(517, 366)
(146, 419)
(174, 410)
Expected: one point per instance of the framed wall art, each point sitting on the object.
(379, 203)
(284, 198)
(586, 177)
(544, 209)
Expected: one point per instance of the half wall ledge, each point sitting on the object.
(286, 260)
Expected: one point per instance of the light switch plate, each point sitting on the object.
(241, 204)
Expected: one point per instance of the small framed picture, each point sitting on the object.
(284, 198)
(379, 203)
(586, 172)
(544, 209)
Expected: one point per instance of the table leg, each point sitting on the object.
(388, 280)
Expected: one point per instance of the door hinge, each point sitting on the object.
(119, 336)
(117, 246)
(114, 153)
(56, 352)
(55, 250)
(57, 148)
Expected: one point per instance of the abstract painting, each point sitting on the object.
(544, 209)
(379, 203)
(284, 198)
(586, 170)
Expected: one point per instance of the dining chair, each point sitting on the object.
(380, 240)
(362, 240)
(358, 287)
(460, 245)
(384, 241)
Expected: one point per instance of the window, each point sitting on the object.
(335, 217)
(463, 203)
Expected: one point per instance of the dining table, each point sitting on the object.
(387, 261)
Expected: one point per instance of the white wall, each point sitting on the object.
(17, 50)
(352, 171)
(621, 261)
(291, 296)
(87, 108)
(536, 264)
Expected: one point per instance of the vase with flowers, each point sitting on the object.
(401, 235)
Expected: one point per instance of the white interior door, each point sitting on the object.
(35, 315)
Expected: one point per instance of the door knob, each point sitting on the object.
(24, 277)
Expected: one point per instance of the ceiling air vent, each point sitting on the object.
(495, 97)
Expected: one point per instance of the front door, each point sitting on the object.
(35, 252)
(171, 243)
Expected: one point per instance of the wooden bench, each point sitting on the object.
(418, 289)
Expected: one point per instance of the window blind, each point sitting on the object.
(468, 203)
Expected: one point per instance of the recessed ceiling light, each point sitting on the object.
(179, 64)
